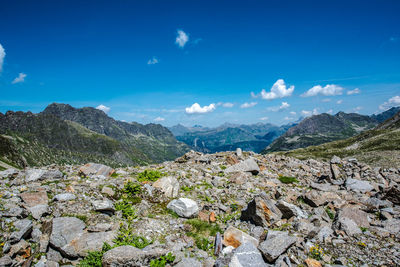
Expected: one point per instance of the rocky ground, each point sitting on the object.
(224, 209)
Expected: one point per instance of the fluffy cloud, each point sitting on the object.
(353, 92)
(325, 100)
(2, 56)
(152, 61)
(340, 101)
(226, 104)
(264, 118)
(283, 106)
(293, 113)
(248, 105)
(309, 113)
(278, 90)
(197, 109)
(19, 79)
(357, 109)
(159, 119)
(181, 39)
(328, 90)
(103, 108)
(392, 102)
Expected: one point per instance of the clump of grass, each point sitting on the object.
(223, 167)
(163, 260)
(149, 176)
(83, 218)
(288, 179)
(201, 231)
(94, 258)
(363, 229)
(114, 175)
(127, 238)
(128, 211)
(187, 188)
(132, 189)
(330, 213)
(283, 227)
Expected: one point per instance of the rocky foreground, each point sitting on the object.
(224, 209)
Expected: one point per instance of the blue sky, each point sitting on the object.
(151, 61)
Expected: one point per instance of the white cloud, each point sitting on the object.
(293, 113)
(103, 108)
(288, 118)
(197, 109)
(392, 102)
(2, 56)
(328, 90)
(330, 111)
(283, 106)
(309, 113)
(152, 61)
(227, 105)
(278, 90)
(19, 79)
(181, 39)
(357, 109)
(340, 101)
(325, 100)
(353, 92)
(159, 119)
(264, 118)
(248, 105)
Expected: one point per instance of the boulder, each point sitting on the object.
(393, 195)
(358, 185)
(34, 198)
(354, 213)
(192, 262)
(64, 230)
(316, 199)
(247, 255)
(130, 256)
(39, 210)
(33, 175)
(235, 237)
(184, 207)
(93, 169)
(261, 211)
(349, 226)
(248, 165)
(80, 245)
(64, 197)
(104, 205)
(168, 185)
(6, 261)
(24, 229)
(276, 244)
(289, 210)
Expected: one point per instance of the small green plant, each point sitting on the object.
(132, 189)
(149, 176)
(163, 260)
(127, 238)
(283, 227)
(223, 167)
(316, 252)
(128, 211)
(330, 213)
(94, 258)
(361, 244)
(201, 231)
(83, 218)
(114, 175)
(187, 188)
(288, 179)
(363, 229)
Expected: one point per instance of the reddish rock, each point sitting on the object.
(34, 198)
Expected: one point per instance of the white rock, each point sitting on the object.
(184, 207)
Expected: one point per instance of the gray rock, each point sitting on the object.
(261, 211)
(217, 244)
(358, 185)
(80, 245)
(354, 213)
(324, 233)
(249, 165)
(24, 229)
(393, 226)
(276, 244)
(64, 197)
(5, 261)
(65, 229)
(289, 210)
(92, 169)
(168, 185)
(130, 256)
(349, 226)
(33, 175)
(9, 173)
(39, 210)
(192, 262)
(335, 160)
(184, 207)
(235, 237)
(239, 152)
(32, 199)
(247, 255)
(103, 205)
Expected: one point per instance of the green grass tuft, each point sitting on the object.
(288, 179)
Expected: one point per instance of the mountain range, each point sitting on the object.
(64, 134)
(227, 137)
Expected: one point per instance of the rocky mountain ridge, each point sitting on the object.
(223, 209)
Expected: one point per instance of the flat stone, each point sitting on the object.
(33, 175)
(168, 185)
(64, 197)
(358, 185)
(276, 244)
(108, 191)
(312, 263)
(393, 226)
(92, 169)
(356, 214)
(5, 261)
(316, 199)
(34, 198)
(130, 256)
(186, 262)
(103, 205)
(24, 228)
(261, 211)
(335, 160)
(235, 237)
(247, 255)
(88, 242)
(65, 229)
(248, 165)
(39, 210)
(349, 226)
(184, 207)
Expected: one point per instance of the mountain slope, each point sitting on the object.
(228, 136)
(320, 129)
(381, 117)
(379, 146)
(63, 134)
